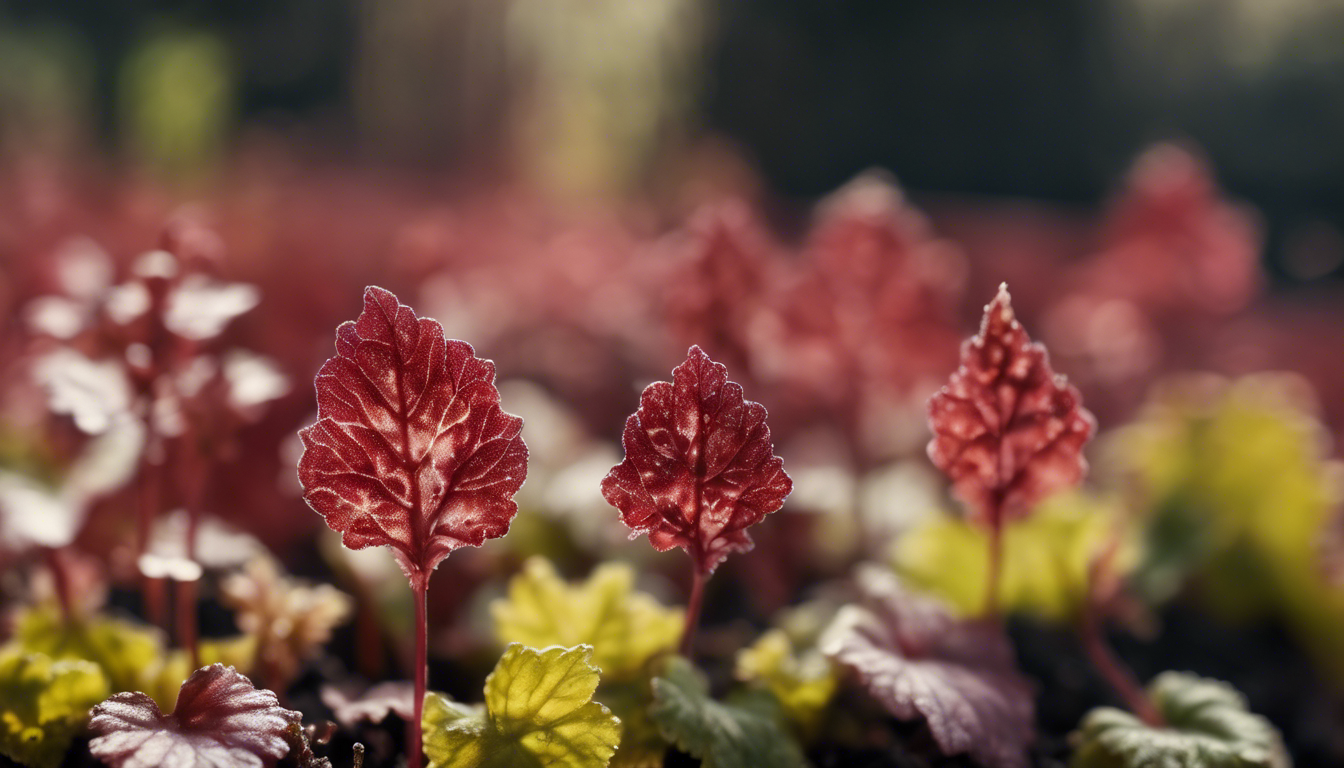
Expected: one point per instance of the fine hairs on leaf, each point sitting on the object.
(220, 720)
(539, 711)
(1006, 429)
(921, 663)
(411, 449)
(699, 470)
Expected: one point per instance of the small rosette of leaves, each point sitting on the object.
(220, 719)
(699, 467)
(411, 449)
(43, 704)
(921, 663)
(625, 627)
(1007, 430)
(744, 733)
(1207, 726)
(538, 711)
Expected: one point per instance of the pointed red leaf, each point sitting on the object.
(410, 448)
(1006, 429)
(220, 720)
(699, 466)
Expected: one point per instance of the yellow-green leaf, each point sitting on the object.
(803, 683)
(43, 704)
(1045, 557)
(538, 712)
(124, 650)
(625, 627)
(745, 733)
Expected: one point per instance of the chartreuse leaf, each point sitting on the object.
(803, 683)
(1239, 486)
(124, 650)
(625, 628)
(539, 711)
(1207, 726)
(1045, 557)
(743, 734)
(43, 704)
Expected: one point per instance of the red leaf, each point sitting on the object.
(921, 663)
(1006, 429)
(220, 720)
(699, 466)
(374, 705)
(410, 448)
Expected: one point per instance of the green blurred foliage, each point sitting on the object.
(176, 100)
(43, 704)
(1234, 479)
(1046, 557)
(46, 87)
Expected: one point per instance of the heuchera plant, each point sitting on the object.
(411, 450)
(699, 470)
(1006, 429)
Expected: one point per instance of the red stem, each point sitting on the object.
(60, 581)
(420, 671)
(151, 589)
(1101, 587)
(995, 570)
(698, 579)
(186, 620)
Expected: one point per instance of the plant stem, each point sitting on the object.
(186, 620)
(1120, 678)
(421, 671)
(995, 570)
(60, 581)
(698, 579)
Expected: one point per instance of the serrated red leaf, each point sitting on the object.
(220, 721)
(411, 449)
(921, 663)
(1007, 430)
(699, 466)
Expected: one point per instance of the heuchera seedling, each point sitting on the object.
(410, 450)
(1006, 429)
(699, 470)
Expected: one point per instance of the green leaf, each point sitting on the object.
(803, 683)
(1045, 558)
(43, 704)
(743, 734)
(125, 651)
(1207, 727)
(538, 712)
(625, 628)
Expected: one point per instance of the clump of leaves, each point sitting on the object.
(803, 682)
(288, 620)
(411, 449)
(220, 719)
(538, 711)
(1207, 726)
(626, 628)
(43, 704)
(743, 733)
(699, 470)
(1046, 557)
(921, 663)
(124, 651)
(1007, 430)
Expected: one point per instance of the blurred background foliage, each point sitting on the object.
(1043, 99)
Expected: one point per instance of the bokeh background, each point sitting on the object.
(822, 194)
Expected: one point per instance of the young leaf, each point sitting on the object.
(220, 720)
(921, 663)
(538, 712)
(288, 619)
(123, 650)
(625, 628)
(744, 734)
(1006, 429)
(410, 448)
(43, 704)
(374, 705)
(803, 683)
(1207, 726)
(699, 466)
